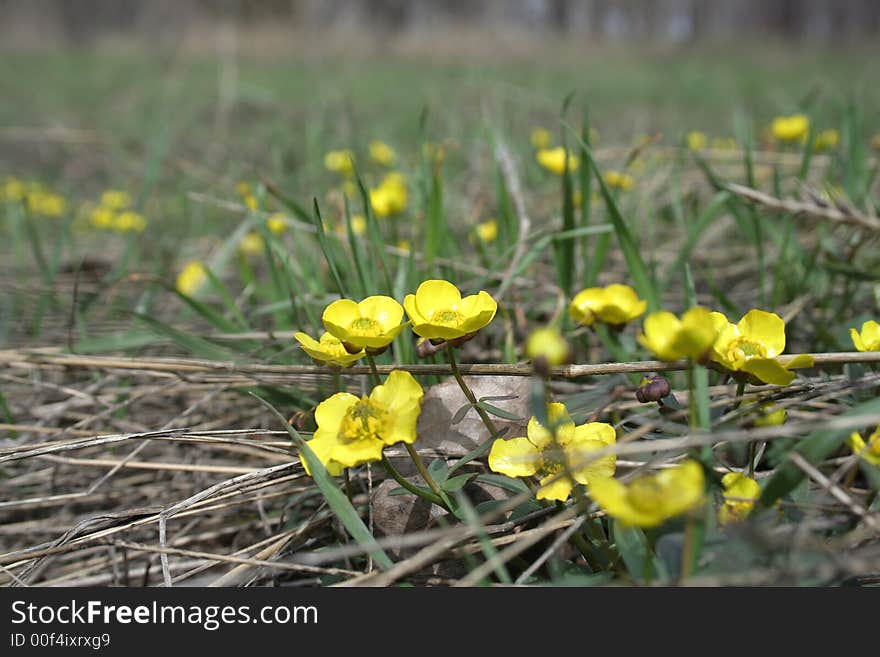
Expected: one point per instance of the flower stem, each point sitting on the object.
(469, 395)
(420, 466)
(374, 373)
(348, 491)
(408, 485)
(693, 420)
(687, 552)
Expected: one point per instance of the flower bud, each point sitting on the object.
(653, 389)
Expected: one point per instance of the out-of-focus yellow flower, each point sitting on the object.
(191, 278)
(791, 128)
(541, 138)
(116, 199)
(341, 161)
(382, 153)
(868, 339)
(48, 204)
(696, 140)
(875, 142)
(651, 499)
(870, 450)
(352, 431)
(102, 217)
(14, 189)
(724, 144)
(547, 343)
(370, 324)
(277, 223)
(670, 338)
(434, 153)
(243, 188)
(548, 453)
(487, 231)
(770, 415)
(390, 197)
(827, 140)
(350, 189)
(615, 304)
(328, 349)
(438, 311)
(358, 224)
(753, 345)
(619, 180)
(252, 244)
(740, 494)
(404, 245)
(554, 159)
(129, 221)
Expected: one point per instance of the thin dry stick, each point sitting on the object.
(835, 213)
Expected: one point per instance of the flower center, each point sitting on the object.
(366, 327)
(363, 421)
(646, 494)
(744, 349)
(446, 317)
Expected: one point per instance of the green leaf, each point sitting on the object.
(325, 248)
(336, 499)
(632, 544)
(502, 481)
(191, 343)
(814, 448)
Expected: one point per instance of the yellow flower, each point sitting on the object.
(696, 140)
(553, 159)
(753, 345)
(438, 311)
(243, 189)
(791, 128)
(352, 431)
(670, 338)
(13, 189)
(382, 153)
(615, 305)
(548, 458)
(541, 138)
(740, 494)
(618, 180)
(46, 203)
(341, 161)
(651, 499)
(487, 231)
(130, 222)
(770, 416)
(404, 245)
(869, 451)
(370, 324)
(547, 343)
(827, 140)
(102, 217)
(358, 224)
(116, 199)
(251, 244)
(191, 278)
(869, 338)
(390, 197)
(328, 350)
(276, 223)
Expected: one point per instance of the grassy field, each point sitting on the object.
(147, 335)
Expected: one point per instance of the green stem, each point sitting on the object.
(687, 552)
(693, 420)
(408, 485)
(348, 492)
(374, 373)
(469, 395)
(420, 466)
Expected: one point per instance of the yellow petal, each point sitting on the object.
(800, 362)
(768, 370)
(382, 309)
(585, 304)
(765, 328)
(622, 305)
(580, 450)
(857, 340)
(515, 457)
(401, 397)
(554, 487)
(338, 316)
(435, 295)
(307, 341)
(478, 310)
(357, 452)
(331, 411)
(660, 330)
(557, 416)
(684, 486)
(323, 449)
(412, 310)
(611, 496)
(697, 333)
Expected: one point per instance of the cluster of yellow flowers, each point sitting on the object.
(114, 212)
(390, 197)
(252, 243)
(35, 196)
